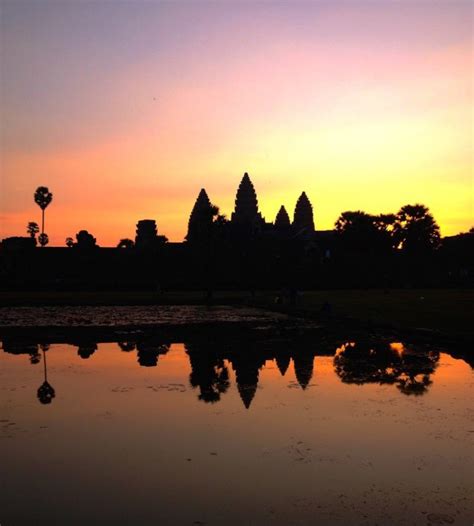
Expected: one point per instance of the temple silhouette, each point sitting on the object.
(247, 252)
(247, 222)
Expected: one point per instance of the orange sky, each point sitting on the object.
(126, 110)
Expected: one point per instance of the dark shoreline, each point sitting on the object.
(437, 315)
(326, 336)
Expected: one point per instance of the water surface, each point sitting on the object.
(205, 433)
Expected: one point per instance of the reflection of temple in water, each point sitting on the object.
(209, 370)
(246, 367)
(408, 368)
(282, 358)
(303, 363)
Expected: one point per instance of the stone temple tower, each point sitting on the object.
(282, 220)
(303, 218)
(200, 220)
(246, 205)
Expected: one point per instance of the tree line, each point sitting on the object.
(412, 229)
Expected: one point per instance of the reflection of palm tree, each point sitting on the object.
(46, 392)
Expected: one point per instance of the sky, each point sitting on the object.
(126, 109)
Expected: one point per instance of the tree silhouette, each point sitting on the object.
(43, 198)
(416, 230)
(43, 239)
(220, 220)
(126, 243)
(220, 223)
(356, 229)
(359, 231)
(32, 229)
(69, 242)
(385, 225)
(85, 240)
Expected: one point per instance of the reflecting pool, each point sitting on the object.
(151, 432)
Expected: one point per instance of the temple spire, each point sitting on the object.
(303, 369)
(200, 220)
(246, 204)
(282, 219)
(247, 393)
(283, 362)
(303, 218)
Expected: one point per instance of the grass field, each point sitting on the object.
(448, 311)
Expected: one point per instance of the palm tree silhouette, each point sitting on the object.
(43, 198)
(43, 239)
(32, 229)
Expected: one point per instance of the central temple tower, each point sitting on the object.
(246, 205)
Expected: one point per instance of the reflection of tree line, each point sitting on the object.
(410, 369)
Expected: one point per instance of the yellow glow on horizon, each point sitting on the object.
(355, 126)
